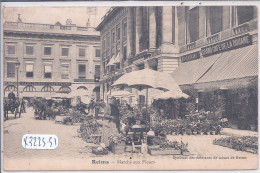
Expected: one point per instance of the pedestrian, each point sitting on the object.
(111, 122)
(97, 108)
(22, 109)
(91, 107)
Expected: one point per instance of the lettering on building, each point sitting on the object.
(231, 44)
(190, 57)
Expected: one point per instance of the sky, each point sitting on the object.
(50, 15)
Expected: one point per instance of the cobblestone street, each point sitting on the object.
(70, 145)
(73, 153)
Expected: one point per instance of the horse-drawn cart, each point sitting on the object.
(12, 106)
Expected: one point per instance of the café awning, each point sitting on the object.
(225, 70)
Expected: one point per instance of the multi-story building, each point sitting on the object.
(204, 47)
(53, 58)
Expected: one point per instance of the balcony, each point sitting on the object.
(48, 28)
(223, 35)
(144, 54)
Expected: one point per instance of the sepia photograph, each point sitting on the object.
(132, 87)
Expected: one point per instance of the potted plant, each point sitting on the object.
(117, 143)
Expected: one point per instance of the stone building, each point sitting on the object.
(205, 48)
(54, 58)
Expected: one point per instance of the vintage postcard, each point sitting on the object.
(132, 87)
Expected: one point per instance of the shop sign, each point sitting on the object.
(190, 57)
(231, 44)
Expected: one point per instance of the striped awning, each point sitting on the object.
(234, 64)
(225, 70)
(190, 72)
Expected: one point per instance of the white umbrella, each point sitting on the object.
(148, 78)
(120, 93)
(171, 95)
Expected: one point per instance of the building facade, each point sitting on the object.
(53, 58)
(205, 48)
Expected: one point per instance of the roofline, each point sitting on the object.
(107, 17)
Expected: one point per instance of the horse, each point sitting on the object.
(13, 106)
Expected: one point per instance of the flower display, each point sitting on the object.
(245, 143)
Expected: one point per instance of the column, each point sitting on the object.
(167, 24)
(130, 31)
(138, 27)
(152, 27)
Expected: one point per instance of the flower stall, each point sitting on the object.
(244, 143)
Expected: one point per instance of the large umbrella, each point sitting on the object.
(171, 95)
(120, 93)
(147, 78)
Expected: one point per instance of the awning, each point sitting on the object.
(112, 61)
(190, 72)
(234, 64)
(222, 71)
(117, 59)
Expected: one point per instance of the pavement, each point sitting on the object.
(75, 154)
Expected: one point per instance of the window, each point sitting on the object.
(125, 29)
(29, 88)
(140, 66)
(47, 88)
(125, 53)
(97, 52)
(47, 71)
(82, 71)
(103, 45)
(82, 52)
(215, 17)
(65, 89)
(118, 33)
(193, 24)
(245, 14)
(11, 49)
(29, 50)
(64, 51)
(47, 50)
(29, 70)
(113, 37)
(97, 72)
(10, 70)
(64, 71)
(108, 42)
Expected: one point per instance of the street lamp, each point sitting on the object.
(17, 66)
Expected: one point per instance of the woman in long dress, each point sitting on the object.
(111, 122)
